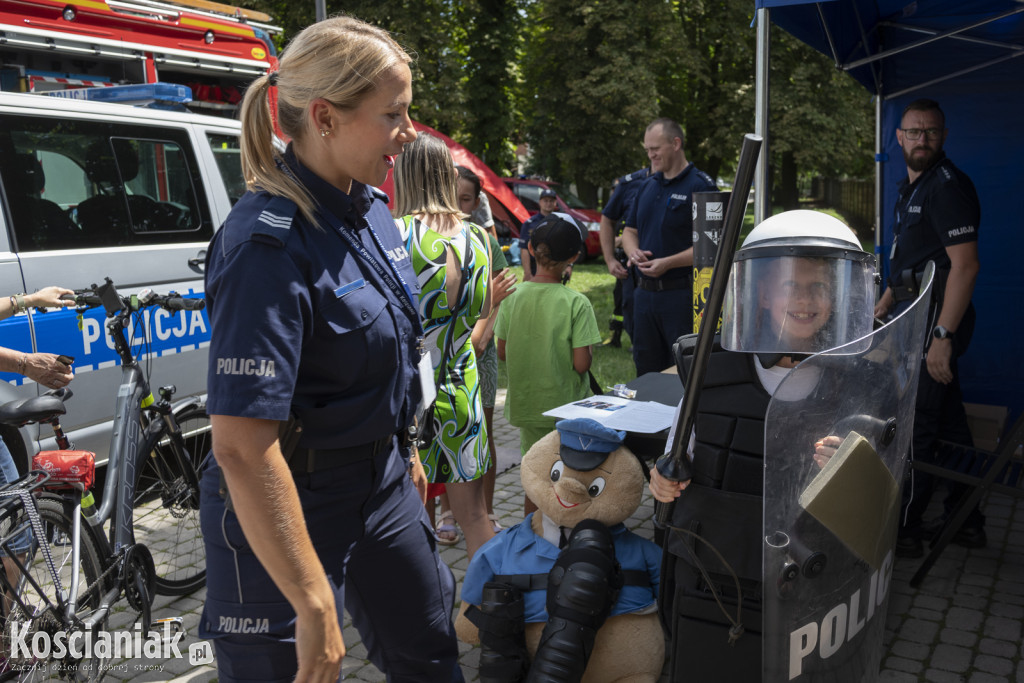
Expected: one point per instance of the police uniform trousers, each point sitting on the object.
(939, 414)
(659, 318)
(373, 537)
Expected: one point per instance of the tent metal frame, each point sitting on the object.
(762, 87)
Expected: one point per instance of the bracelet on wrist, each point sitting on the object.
(19, 303)
(21, 364)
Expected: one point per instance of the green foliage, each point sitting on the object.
(581, 79)
(493, 45)
(591, 87)
(819, 113)
(714, 98)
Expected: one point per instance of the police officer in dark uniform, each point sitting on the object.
(612, 224)
(658, 239)
(548, 202)
(937, 217)
(311, 505)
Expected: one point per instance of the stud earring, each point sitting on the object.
(324, 132)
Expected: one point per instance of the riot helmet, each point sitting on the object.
(800, 284)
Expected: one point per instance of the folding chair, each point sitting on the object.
(999, 471)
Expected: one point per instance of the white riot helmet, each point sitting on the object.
(801, 283)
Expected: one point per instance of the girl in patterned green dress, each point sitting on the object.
(450, 255)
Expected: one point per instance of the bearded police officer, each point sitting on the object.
(658, 240)
(937, 217)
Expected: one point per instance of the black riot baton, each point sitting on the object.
(675, 465)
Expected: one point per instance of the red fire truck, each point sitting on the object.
(213, 48)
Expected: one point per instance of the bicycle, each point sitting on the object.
(151, 491)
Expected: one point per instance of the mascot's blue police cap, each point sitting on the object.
(586, 443)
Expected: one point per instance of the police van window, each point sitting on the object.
(158, 184)
(90, 184)
(228, 153)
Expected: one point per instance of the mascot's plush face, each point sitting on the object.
(610, 493)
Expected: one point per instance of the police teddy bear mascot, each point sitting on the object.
(569, 584)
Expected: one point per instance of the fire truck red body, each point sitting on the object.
(215, 49)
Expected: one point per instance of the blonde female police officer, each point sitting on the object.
(312, 302)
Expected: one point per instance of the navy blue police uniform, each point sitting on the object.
(524, 237)
(305, 322)
(938, 210)
(663, 307)
(527, 229)
(616, 209)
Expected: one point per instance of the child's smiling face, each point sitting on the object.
(797, 293)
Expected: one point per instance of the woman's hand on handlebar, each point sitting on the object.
(50, 297)
(48, 370)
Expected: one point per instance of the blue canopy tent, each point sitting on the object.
(968, 55)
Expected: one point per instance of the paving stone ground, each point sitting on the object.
(962, 625)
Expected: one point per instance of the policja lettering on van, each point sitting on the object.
(245, 366)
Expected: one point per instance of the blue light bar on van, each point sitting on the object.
(156, 95)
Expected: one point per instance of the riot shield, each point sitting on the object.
(830, 529)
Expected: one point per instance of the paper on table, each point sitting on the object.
(646, 417)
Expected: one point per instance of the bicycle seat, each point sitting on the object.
(36, 409)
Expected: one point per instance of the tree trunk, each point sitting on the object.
(586, 191)
(789, 195)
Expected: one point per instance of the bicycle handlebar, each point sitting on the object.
(106, 295)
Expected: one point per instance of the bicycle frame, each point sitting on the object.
(115, 562)
(128, 436)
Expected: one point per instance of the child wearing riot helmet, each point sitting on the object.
(800, 284)
(314, 501)
(545, 331)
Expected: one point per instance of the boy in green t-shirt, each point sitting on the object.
(544, 333)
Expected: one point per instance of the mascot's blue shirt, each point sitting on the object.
(517, 550)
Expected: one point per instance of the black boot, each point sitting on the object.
(503, 656)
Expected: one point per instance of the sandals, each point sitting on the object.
(494, 520)
(446, 532)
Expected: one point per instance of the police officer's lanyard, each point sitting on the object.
(899, 221)
(899, 215)
(401, 292)
(404, 296)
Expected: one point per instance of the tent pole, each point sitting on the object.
(762, 194)
(879, 160)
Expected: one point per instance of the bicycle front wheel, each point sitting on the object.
(167, 505)
(37, 605)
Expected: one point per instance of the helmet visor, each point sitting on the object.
(779, 303)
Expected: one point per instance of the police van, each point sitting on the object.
(93, 190)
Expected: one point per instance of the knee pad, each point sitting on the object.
(582, 588)
(503, 656)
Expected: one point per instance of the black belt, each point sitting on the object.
(660, 285)
(308, 460)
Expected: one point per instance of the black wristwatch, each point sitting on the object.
(941, 332)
